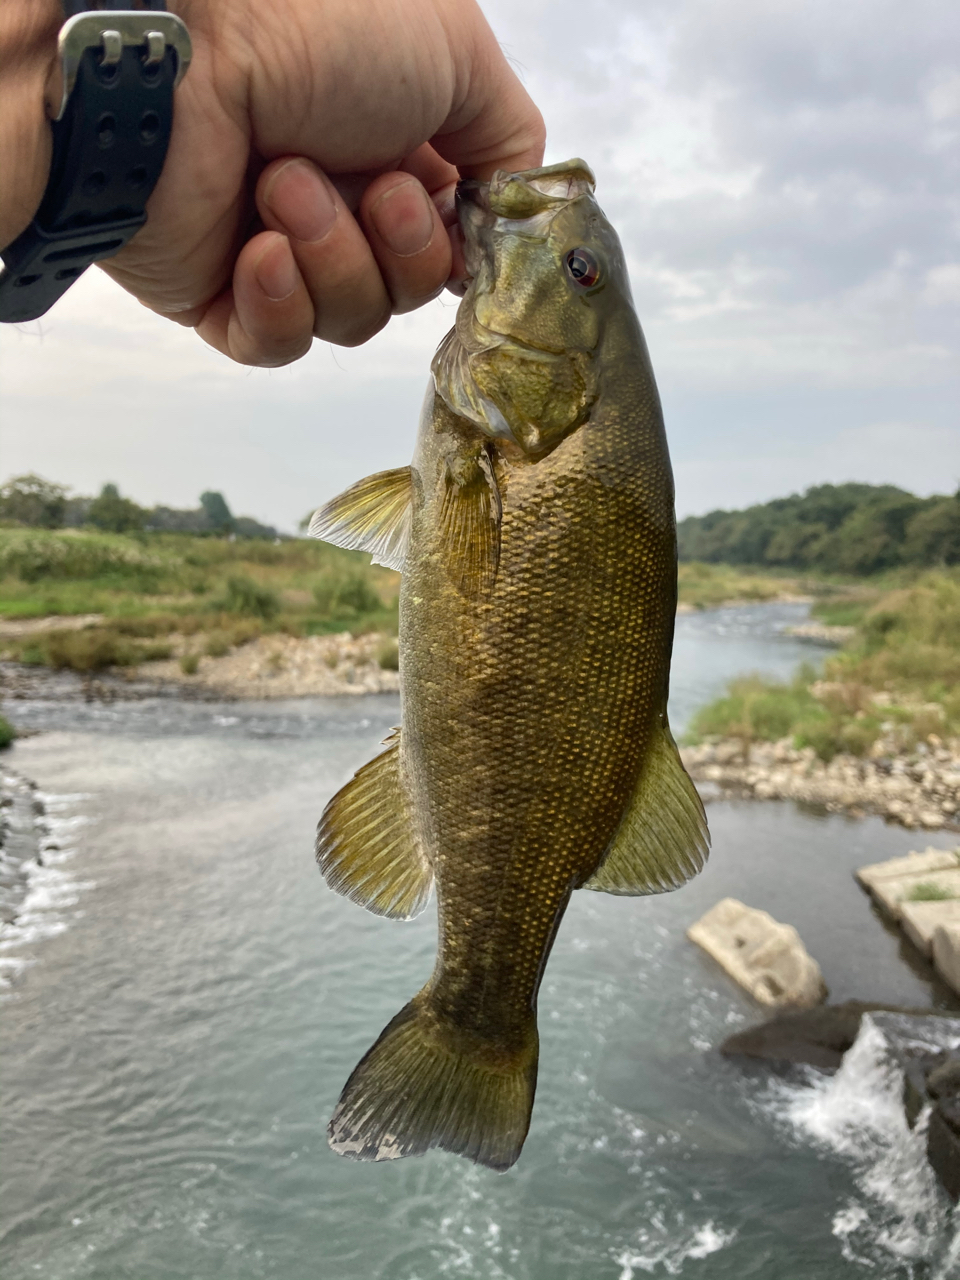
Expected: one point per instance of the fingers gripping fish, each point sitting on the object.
(535, 532)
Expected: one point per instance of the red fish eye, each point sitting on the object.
(583, 267)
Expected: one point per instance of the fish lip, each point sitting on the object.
(470, 191)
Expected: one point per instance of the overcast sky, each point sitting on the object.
(784, 176)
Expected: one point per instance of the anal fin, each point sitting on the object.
(367, 847)
(373, 515)
(662, 840)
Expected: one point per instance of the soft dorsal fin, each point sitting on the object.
(367, 848)
(662, 840)
(469, 524)
(373, 515)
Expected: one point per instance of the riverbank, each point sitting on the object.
(271, 666)
(914, 789)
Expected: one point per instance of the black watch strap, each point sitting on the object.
(120, 68)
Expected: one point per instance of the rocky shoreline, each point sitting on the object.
(272, 666)
(919, 789)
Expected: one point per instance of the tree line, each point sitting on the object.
(835, 528)
(38, 503)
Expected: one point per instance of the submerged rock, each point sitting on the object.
(765, 957)
(816, 1037)
(914, 1052)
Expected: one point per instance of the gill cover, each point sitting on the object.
(520, 363)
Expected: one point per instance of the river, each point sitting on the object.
(184, 999)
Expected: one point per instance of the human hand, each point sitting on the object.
(308, 188)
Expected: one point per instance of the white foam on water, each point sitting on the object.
(901, 1221)
(51, 892)
(668, 1255)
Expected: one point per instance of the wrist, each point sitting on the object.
(28, 68)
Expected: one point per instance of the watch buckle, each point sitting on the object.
(113, 30)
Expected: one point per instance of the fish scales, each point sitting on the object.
(536, 623)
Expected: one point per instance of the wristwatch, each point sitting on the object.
(110, 137)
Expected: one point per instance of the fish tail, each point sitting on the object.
(424, 1084)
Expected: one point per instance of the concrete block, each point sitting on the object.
(945, 951)
(919, 920)
(912, 864)
(766, 958)
(894, 891)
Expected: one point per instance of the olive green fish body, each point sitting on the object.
(536, 623)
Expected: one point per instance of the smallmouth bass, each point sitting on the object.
(536, 536)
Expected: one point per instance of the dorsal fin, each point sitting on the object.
(373, 515)
(367, 847)
(662, 840)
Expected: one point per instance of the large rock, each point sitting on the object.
(765, 957)
(818, 1037)
(945, 950)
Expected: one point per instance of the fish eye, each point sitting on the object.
(583, 267)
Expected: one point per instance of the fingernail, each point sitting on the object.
(403, 218)
(301, 201)
(275, 270)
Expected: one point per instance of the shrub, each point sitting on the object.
(190, 664)
(217, 645)
(7, 732)
(245, 596)
(388, 655)
(349, 596)
(90, 650)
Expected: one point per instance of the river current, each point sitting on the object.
(183, 999)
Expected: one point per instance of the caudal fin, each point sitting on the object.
(418, 1088)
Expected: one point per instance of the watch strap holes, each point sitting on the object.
(94, 183)
(106, 130)
(149, 127)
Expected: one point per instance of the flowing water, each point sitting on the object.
(184, 998)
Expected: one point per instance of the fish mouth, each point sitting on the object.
(522, 203)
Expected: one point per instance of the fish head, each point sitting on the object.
(545, 270)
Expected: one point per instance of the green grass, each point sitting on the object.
(7, 732)
(927, 892)
(706, 585)
(899, 677)
(150, 587)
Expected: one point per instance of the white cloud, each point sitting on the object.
(784, 179)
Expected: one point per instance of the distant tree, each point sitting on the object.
(171, 520)
(33, 501)
(850, 528)
(247, 527)
(217, 512)
(113, 513)
(933, 535)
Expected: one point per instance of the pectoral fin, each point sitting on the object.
(367, 848)
(373, 515)
(469, 525)
(662, 840)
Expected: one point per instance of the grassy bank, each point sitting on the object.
(150, 587)
(704, 586)
(896, 683)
